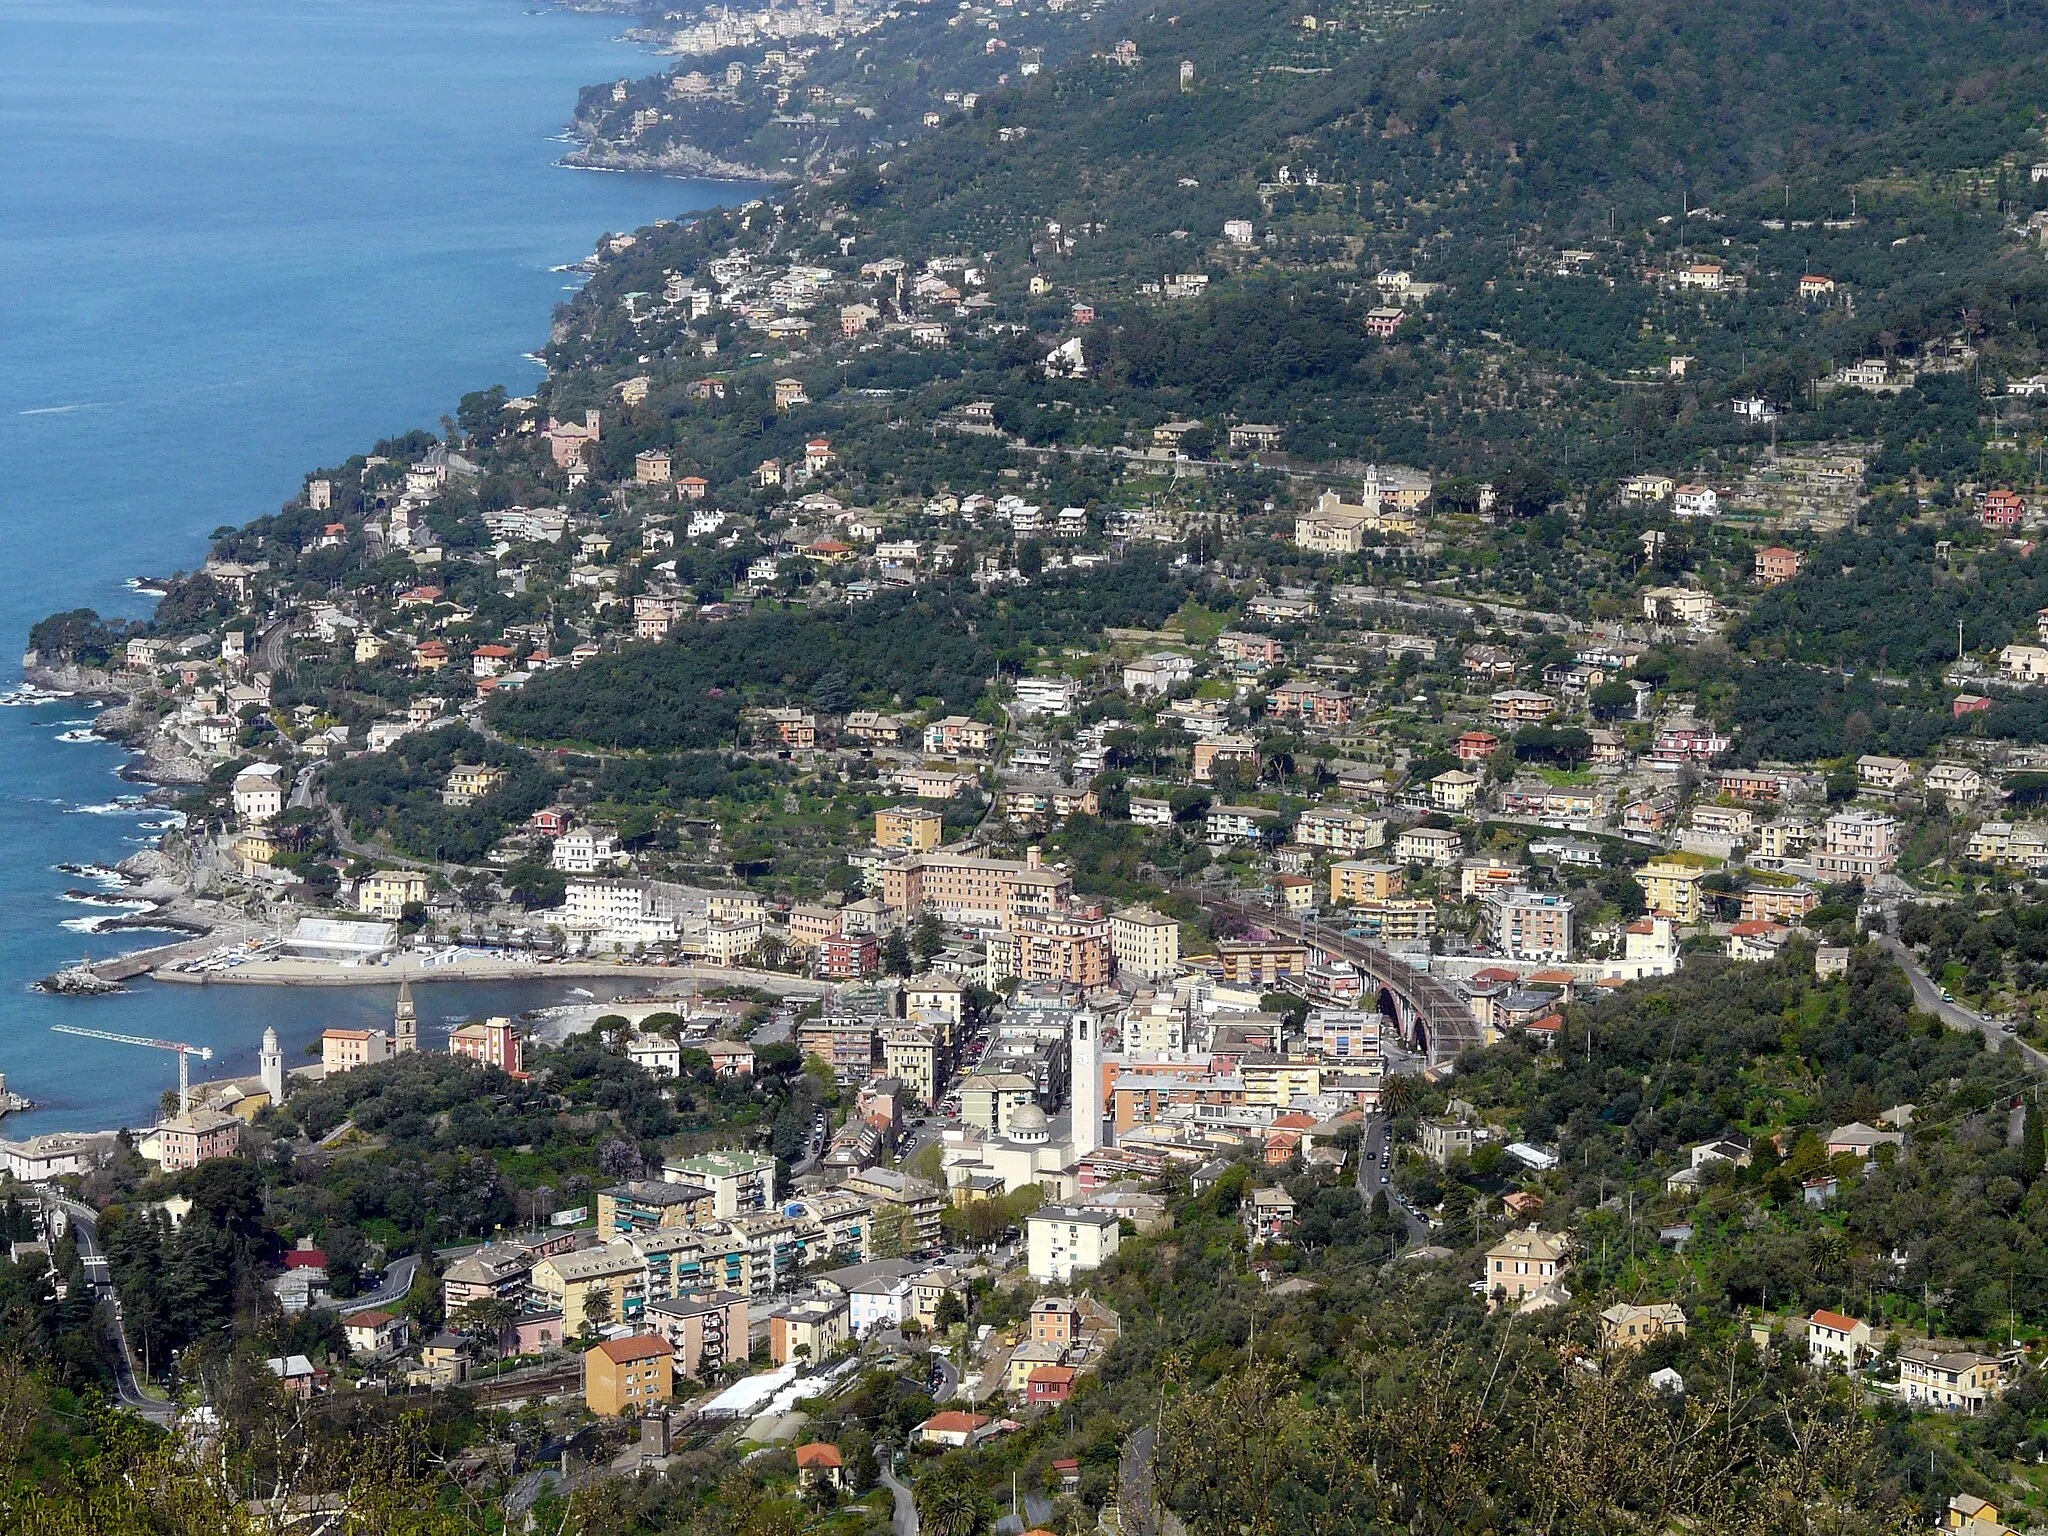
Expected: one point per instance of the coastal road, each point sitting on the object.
(85, 1230)
(1927, 994)
(949, 1378)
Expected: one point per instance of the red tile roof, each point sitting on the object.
(642, 1346)
(953, 1423)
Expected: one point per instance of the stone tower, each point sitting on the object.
(405, 1024)
(270, 1066)
(1087, 1080)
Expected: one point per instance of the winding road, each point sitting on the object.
(397, 1285)
(905, 1519)
(85, 1229)
(1927, 994)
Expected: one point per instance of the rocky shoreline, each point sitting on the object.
(684, 160)
(119, 722)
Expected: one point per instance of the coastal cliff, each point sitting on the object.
(159, 760)
(670, 160)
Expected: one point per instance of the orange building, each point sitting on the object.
(1777, 564)
(629, 1375)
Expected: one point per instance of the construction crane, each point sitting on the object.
(185, 1053)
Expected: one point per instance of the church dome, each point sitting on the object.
(1028, 1123)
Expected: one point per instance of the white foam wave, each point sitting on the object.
(125, 806)
(83, 733)
(87, 899)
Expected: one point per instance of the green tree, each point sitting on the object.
(950, 1502)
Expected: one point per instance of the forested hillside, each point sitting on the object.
(945, 643)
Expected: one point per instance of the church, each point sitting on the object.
(1028, 1146)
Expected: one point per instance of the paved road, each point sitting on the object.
(85, 1230)
(1927, 993)
(1378, 1139)
(949, 1378)
(397, 1283)
(904, 1520)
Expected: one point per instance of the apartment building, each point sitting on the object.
(628, 1376)
(740, 1182)
(1341, 830)
(1063, 1241)
(1144, 944)
(1353, 881)
(706, 1330)
(1531, 925)
(976, 892)
(1071, 946)
(958, 736)
(1671, 888)
(1437, 847)
(607, 1284)
(493, 1042)
(913, 828)
(643, 1205)
(1857, 845)
(1216, 751)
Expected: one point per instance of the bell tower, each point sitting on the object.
(1086, 1056)
(270, 1067)
(405, 1023)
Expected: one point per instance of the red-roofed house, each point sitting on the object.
(819, 1463)
(1756, 939)
(491, 660)
(1835, 1340)
(1051, 1384)
(954, 1428)
(374, 1332)
(306, 1256)
(1777, 564)
(1476, 746)
(2003, 509)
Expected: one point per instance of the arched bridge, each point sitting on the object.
(1430, 1014)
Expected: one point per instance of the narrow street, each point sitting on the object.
(1377, 1142)
(905, 1521)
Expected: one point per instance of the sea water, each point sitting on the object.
(240, 239)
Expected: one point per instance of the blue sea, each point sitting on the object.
(240, 239)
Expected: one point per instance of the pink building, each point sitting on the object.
(494, 1042)
(193, 1137)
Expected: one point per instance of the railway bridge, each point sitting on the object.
(1427, 1011)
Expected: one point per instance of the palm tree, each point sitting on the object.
(950, 1505)
(487, 1317)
